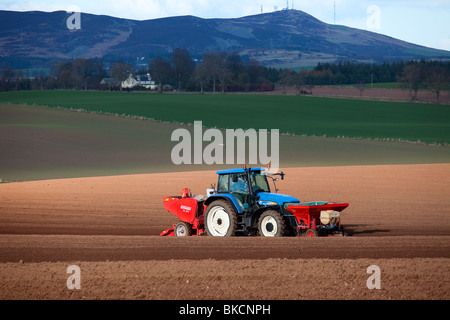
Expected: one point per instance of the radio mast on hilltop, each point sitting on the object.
(334, 12)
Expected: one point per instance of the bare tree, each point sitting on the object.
(121, 70)
(65, 79)
(298, 79)
(224, 74)
(161, 71)
(201, 76)
(411, 79)
(436, 79)
(183, 65)
(216, 68)
(287, 78)
(79, 72)
(237, 68)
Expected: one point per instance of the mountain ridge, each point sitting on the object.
(288, 38)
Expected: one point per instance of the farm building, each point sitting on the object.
(140, 80)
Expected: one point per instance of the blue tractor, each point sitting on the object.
(242, 204)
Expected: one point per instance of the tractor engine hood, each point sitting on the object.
(275, 198)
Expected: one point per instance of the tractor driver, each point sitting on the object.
(238, 183)
(239, 188)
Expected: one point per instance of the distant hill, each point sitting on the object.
(288, 38)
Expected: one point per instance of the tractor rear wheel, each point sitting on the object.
(183, 229)
(271, 224)
(220, 219)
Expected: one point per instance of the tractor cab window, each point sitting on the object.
(222, 185)
(238, 183)
(239, 189)
(259, 182)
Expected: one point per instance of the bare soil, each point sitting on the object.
(398, 219)
(402, 95)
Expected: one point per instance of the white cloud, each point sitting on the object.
(35, 6)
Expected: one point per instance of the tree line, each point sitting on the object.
(229, 72)
(411, 75)
(216, 71)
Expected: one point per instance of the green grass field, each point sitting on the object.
(290, 114)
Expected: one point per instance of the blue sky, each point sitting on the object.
(422, 22)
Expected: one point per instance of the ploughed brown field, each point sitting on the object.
(398, 220)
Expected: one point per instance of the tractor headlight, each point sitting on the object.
(267, 203)
(329, 217)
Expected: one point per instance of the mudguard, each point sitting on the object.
(228, 197)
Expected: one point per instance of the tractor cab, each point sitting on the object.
(249, 188)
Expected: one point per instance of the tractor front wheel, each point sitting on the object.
(271, 224)
(220, 219)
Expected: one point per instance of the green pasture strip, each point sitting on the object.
(309, 116)
(290, 114)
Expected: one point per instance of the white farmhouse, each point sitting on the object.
(146, 81)
(140, 80)
(129, 83)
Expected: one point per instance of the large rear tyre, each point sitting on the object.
(220, 219)
(183, 229)
(271, 224)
